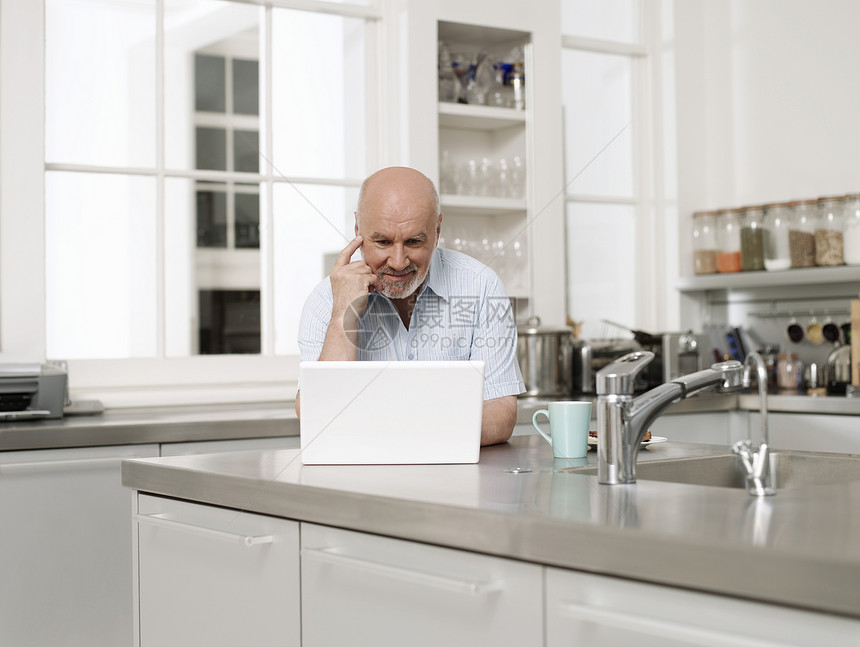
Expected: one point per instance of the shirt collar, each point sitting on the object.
(435, 281)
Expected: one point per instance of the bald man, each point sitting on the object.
(407, 299)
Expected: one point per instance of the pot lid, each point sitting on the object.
(533, 327)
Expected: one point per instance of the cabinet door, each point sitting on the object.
(212, 576)
(66, 547)
(360, 589)
(601, 611)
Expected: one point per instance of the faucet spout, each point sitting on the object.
(756, 463)
(622, 420)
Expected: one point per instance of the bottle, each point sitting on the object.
(729, 237)
(828, 232)
(801, 233)
(777, 250)
(851, 235)
(752, 239)
(705, 242)
(517, 81)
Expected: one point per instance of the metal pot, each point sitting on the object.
(837, 370)
(545, 356)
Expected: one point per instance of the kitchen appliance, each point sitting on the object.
(31, 391)
(545, 357)
(837, 370)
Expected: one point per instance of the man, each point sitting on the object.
(409, 300)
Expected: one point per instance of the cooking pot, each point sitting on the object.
(544, 355)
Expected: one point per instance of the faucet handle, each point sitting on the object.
(732, 372)
(619, 377)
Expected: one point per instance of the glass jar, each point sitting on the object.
(752, 239)
(851, 235)
(789, 371)
(801, 233)
(705, 242)
(777, 250)
(729, 239)
(828, 232)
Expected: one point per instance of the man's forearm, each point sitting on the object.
(339, 343)
(498, 419)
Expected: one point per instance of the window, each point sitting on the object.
(610, 202)
(202, 161)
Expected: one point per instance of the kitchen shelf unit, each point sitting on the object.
(764, 279)
(491, 227)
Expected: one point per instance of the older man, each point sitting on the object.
(408, 299)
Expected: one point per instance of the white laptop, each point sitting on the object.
(391, 412)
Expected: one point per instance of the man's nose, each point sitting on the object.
(398, 259)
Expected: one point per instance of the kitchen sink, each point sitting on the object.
(790, 469)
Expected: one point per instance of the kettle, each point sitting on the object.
(837, 370)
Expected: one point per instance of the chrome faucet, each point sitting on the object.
(622, 420)
(756, 462)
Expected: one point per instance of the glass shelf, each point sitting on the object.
(481, 205)
(462, 115)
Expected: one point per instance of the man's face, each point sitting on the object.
(399, 238)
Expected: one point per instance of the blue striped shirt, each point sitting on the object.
(462, 313)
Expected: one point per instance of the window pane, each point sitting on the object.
(319, 94)
(229, 322)
(598, 113)
(210, 83)
(247, 221)
(600, 263)
(246, 87)
(246, 151)
(206, 30)
(100, 266)
(617, 20)
(312, 225)
(100, 82)
(211, 218)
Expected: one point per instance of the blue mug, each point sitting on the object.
(568, 424)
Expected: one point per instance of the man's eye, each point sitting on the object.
(383, 243)
(414, 241)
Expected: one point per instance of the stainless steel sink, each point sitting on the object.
(790, 470)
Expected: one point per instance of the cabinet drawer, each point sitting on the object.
(601, 611)
(212, 576)
(385, 591)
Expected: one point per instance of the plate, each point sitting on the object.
(592, 441)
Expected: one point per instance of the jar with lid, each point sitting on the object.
(828, 232)
(752, 239)
(705, 242)
(729, 239)
(777, 250)
(801, 233)
(851, 237)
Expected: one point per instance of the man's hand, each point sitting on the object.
(350, 285)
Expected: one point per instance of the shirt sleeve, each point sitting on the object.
(495, 342)
(314, 321)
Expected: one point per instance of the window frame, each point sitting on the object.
(159, 380)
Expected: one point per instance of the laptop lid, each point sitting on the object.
(391, 412)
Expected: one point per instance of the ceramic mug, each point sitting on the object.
(568, 424)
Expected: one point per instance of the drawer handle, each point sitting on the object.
(334, 557)
(659, 628)
(230, 537)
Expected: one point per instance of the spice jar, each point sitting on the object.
(851, 234)
(828, 232)
(729, 238)
(789, 371)
(705, 242)
(801, 233)
(752, 239)
(777, 250)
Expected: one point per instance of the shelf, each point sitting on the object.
(480, 205)
(745, 280)
(462, 115)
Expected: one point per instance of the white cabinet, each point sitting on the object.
(66, 547)
(360, 589)
(212, 576)
(810, 432)
(584, 609)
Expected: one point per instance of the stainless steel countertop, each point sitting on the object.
(153, 425)
(799, 548)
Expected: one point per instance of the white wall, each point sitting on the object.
(768, 98)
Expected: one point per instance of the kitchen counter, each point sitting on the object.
(153, 425)
(798, 548)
